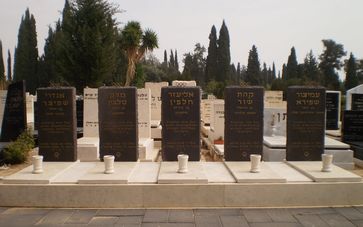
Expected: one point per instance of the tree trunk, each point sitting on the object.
(130, 72)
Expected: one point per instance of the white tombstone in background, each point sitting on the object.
(88, 145)
(280, 120)
(356, 90)
(184, 83)
(146, 144)
(206, 106)
(3, 94)
(217, 121)
(155, 89)
(90, 112)
(29, 110)
(273, 99)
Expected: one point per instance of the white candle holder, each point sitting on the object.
(37, 161)
(327, 160)
(109, 161)
(183, 163)
(255, 163)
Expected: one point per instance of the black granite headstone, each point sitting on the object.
(352, 128)
(180, 117)
(357, 102)
(118, 125)
(305, 123)
(332, 110)
(14, 121)
(79, 107)
(57, 123)
(36, 118)
(243, 131)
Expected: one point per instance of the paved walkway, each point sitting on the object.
(340, 217)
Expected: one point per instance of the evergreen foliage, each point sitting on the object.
(223, 54)
(311, 68)
(194, 65)
(351, 79)
(26, 53)
(253, 74)
(2, 67)
(292, 66)
(10, 77)
(211, 69)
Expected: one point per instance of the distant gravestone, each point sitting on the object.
(118, 127)
(155, 89)
(180, 122)
(144, 113)
(57, 124)
(217, 127)
(90, 117)
(348, 97)
(352, 130)
(332, 110)
(3, 94)
(184, 83)
(243, 129)
(357, 102)
(273, 99)
(305, 123)
(14, 121)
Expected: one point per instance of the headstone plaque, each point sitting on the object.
(117, 110)
(357, 101)
(144, 112)
(155, 89)
(90, 117)
(352, 126)
(305, 123)
(332, 110)
(184, 83)
(180, 122)
(57, 124)
(14, 121)
(79, 107)
(273, 99)
(243, 129)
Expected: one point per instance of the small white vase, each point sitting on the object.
(37, 161)
(183, 163)
(109, 161)
(255, 163)
(327, 160)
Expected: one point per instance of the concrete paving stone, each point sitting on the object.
(220, 212)
(359, 208)
(336, 220)
(167, 225)
(181, 216)
(56, 217)
(275, 224)
(129, 220)
(156, 216)
(319, 210)
(10, 220)
(120, 212)
(281, 215)
(103, 221)
(350, 213)
(205, 212)
(256, 215)
(2, 209)
(26, 211)
(207, 221)
(358, 223)
(81, 216)
(234, 221)
(310, 220)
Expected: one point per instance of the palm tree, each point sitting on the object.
(136, 43)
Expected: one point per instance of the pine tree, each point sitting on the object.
(253, 74)
(2, 67)
(223, 54)
(26, 53)
(176, 63)
(311, 69)
(292, 66)
(283, 74)
(211, 69)
(10, 77)
(171, 60)
(351, 79)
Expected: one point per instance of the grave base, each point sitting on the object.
(88, 149)
(156, 133)
(146, 150)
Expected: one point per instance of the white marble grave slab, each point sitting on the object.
(168, 174)
(145, 173)
(335, 144)
(275, 141)
(287, 172)
(333, 133)
(74, 173)
(50, 171)
(241, 172)
(313, 171)
(90, 113)
(217, 172)
(144, 112)
(96, 174)
(219, 149)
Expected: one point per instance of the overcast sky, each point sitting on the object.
(274, 26)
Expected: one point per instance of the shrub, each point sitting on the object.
(17, 151)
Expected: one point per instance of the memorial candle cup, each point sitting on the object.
(109, 161)
(37, 161)
(255, 163)
(327, 160)
(183, 163)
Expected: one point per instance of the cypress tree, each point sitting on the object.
(171, 60)
(253, 74)
(273, 71)
(292, 66)
(283, 75)
(264, 74)
(239, 72)
(176, 65)
(2, 67)
(10, 77)
(26, 53)
(351, 79)
(223, 54)
(165, 62)
(211, 69)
